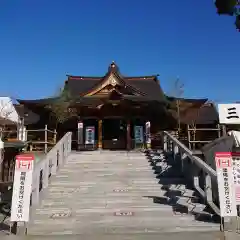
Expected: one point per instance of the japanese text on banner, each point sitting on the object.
(225, 184)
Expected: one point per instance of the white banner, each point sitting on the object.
(226, 188)
(236, 175)
(22, 188)
(90, 135)
(229, 113)
(148, 132)
(80, 125)
(1, 151)
(138, 134)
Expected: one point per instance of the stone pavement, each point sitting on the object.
(139, 236)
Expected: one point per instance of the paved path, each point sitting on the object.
(141, 236)
(108, 193)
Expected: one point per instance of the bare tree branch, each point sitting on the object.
(177, 92)
(6, 110)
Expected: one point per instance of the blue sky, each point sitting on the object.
(42, 41)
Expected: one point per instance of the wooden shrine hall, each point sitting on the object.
(112, 111)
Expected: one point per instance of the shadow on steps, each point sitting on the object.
(180, 194)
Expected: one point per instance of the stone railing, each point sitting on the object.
(48, 166)
(203, 177)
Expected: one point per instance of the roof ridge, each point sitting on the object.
(141, 77)
(83, 77)
(153, 77)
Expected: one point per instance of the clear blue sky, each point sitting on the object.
(43, 40)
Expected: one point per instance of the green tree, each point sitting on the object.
(62, 106)
(230, 8)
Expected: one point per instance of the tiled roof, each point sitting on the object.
(149, 85)
(29, 116)
(207, 114)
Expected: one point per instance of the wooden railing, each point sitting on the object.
(195, 142)
(204, 177)
(38, 139)
(41, 139)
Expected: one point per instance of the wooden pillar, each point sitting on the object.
(100, 134)
(128, 135)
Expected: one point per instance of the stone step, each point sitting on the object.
(107, 196)
(169, 234)
(111, 161)
(101, 204)
(96, 174)
(94, 168)
(114, 184)
(110, 188)
(122, 188)
(151, 211)
(125, 183)
(113, 220)
(103, 192)
(136, 182)
(91, 199)
(102, 212)
(85, 170)
(106, 184)
(133, 228)
(115, 177)
(120, 221)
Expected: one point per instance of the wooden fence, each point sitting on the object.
(37, 139)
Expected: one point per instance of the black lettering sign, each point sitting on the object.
(21, 195)
(232, 113)
(226, 191)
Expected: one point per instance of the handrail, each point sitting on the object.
(199, 162)
(206, 191)
(49, 165)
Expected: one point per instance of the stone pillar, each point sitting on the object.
(128, 135)
(100, 134)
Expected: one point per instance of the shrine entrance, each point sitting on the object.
(114, 134)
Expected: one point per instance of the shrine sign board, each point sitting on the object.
(90, 135)
(138, 134)
(229, 113)
(236, 175)
(148, 132)
(22, 188)
(226, 189)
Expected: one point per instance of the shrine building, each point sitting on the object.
(114, 111)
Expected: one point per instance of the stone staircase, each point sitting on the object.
(114, 192)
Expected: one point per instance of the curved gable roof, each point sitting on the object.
(145, 85)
